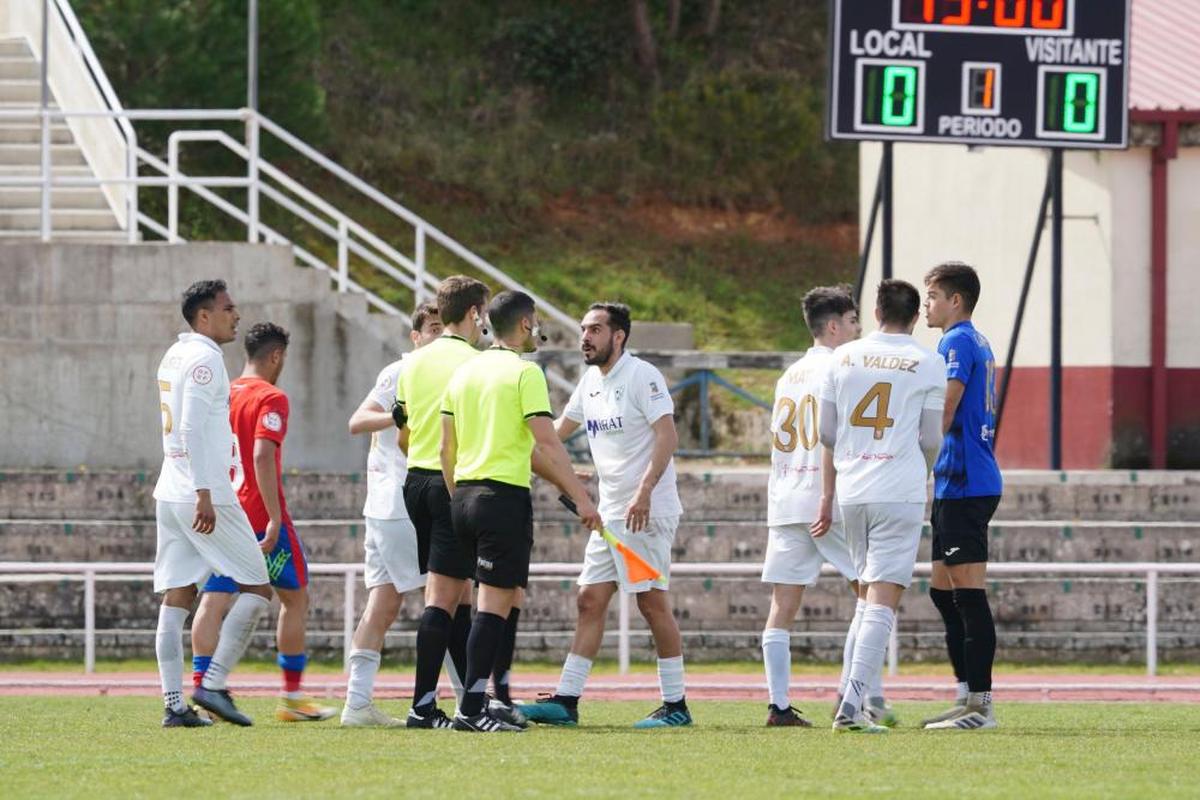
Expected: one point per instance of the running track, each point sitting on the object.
(700, 686)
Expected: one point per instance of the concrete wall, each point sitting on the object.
(83, 327)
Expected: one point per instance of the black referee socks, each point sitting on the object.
(504, 658)
(433, 634)
(487, 632)
(979, 642)
(457, 647)
(943, 600)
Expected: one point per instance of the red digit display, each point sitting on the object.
(1009, 16)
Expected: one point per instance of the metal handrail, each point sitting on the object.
(89, 572)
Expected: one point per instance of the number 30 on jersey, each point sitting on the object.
(798, 422)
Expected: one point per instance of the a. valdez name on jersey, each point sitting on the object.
(611, 426)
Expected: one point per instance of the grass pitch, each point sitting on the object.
(99, 747)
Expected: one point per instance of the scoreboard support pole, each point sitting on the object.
(1056, 270)
(885, 186)
(868, 240)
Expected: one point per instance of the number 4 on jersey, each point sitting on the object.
(880, 394)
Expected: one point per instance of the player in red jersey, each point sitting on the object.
(258, 414)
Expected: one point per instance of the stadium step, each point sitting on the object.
(75, 219)
(22, 90)
(60, 155)
(83, 197)
(14, 48)
(30, 133)
(18, 67)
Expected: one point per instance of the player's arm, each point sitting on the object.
(954, 393)
(449, 451)
(370, 417)
(933, 411)
(824, 520)
(666, 439)
(198, 398)
(827, 424)
(564, 426)
(931, 434)
(268, 479)
(550, 461)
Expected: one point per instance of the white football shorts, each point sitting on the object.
(795, 558)
(185, 557)
(391, 555)
(603, 564)
(883, 540)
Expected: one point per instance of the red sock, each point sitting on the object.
(197, 676)
(291, 680)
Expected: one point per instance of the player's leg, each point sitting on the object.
(487, 635)
(941, 594)
(215, 601)
(966, 525)
(655, 608)
(890, 533)
(177, 568)
(449, 567)
(791, 564)
(504, 658)
(392, 567)
(289, 576)
(231, 549)
(597, 585)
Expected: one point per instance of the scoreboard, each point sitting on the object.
(1041, 73)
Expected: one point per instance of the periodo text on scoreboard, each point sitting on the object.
(1028, 72)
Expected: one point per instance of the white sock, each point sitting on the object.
(979, 699)
(961, 691)
(777, 661)
(361, 686)
(574, 675)
(670, 678)
(168, 647)
(870, 650)
(455, 680)
(848, 648)
(236, 631)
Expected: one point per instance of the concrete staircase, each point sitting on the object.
(77, 213)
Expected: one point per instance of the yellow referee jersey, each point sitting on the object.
(420, 389)
(490, 400)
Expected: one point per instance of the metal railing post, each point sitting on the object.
(131, 192)
(252, 131)
(893, 652)
(419, 253)
(343, 267)
(89, 621)
(347, 617)
(622, 633)
(705, 439)
(1152, 623)
(173, 191)
(45, 111)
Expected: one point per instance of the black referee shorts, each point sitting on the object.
(495, 520)
(960, 529)
(428, 504)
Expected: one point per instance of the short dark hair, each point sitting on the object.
(956, 277)
(618, 317)
(201, 294)
(824, 303)
(507, 309)
(422, 315)
(457, 295)
(264, 338)
(898, 302)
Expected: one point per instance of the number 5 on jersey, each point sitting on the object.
(167, 422)
(880, 395)
(804, 413)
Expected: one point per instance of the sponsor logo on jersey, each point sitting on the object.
(618, 393)
(272, 421)
(596, 427)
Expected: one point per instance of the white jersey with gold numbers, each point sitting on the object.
(794, 487)
(880, 385)
(198, 443)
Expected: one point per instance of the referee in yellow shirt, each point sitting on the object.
(446, 620)
(496, 418)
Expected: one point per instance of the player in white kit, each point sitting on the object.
(201, 526)
(626, 407)
(804, 525)
(393, 563)
(881, 413)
